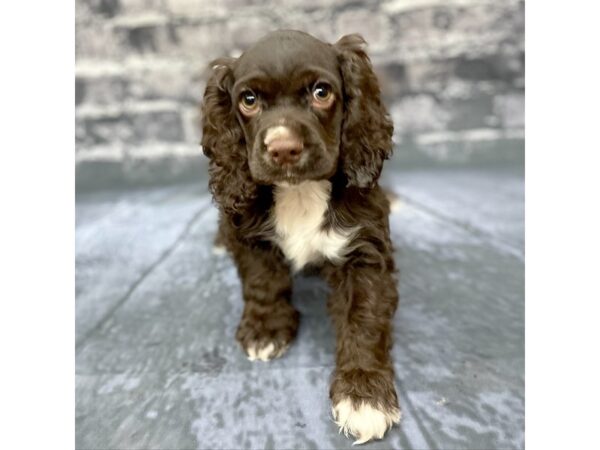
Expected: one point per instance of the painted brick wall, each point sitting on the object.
(452, 73)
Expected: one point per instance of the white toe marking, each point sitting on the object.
(265, 353)
(252, 353)
(365, 422)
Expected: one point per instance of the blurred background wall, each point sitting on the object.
(452, 74)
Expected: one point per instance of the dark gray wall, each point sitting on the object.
(452, 74)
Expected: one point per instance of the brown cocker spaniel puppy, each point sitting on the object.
(297, 134)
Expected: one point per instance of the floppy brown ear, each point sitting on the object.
(367, 129)
(223, 142)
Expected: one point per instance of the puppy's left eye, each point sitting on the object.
(322, 95)
(249, 103)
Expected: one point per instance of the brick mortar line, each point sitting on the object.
(119, 152)
(130, 106)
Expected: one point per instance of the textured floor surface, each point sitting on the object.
(158, 367)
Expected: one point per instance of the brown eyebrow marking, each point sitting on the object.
(315, 74)
(255, 80)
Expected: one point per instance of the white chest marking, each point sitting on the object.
(298, 216)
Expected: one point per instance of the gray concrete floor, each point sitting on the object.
(157, 366)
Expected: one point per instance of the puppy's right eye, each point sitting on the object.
(248, 103)
(322, 95)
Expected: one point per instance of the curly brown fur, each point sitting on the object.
(297, 134)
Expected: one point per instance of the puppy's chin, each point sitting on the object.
(290, 181)
(283, 177)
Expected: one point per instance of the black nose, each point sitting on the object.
(285, 151)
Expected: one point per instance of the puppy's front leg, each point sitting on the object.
(269, 322)
(363, 395)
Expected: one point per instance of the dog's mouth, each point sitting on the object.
(290, 177)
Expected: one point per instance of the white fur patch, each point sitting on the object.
(262, 354)
(265, 353)
(365, 422)
(298, 216)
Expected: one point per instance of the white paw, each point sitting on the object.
(265, 353)
(365, 422)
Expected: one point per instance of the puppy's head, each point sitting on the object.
(293, 108)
